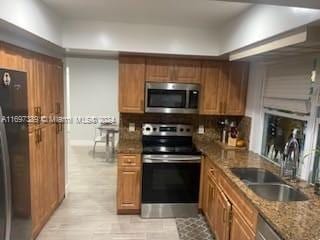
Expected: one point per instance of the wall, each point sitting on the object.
(262, 22)
(93, 86)
(98, 35)
(254, 105)
(33, 16)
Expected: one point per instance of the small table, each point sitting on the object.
(110, 129)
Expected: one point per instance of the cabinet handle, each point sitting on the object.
(40, 135)
(58, 108)
(61, 127)
(57, 128)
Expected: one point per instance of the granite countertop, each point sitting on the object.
(129, 146)
(292, 220)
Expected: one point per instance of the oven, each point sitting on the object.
(171, 98)
(170, 172)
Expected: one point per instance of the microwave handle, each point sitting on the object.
(188, 99)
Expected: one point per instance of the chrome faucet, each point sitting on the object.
(291, 154)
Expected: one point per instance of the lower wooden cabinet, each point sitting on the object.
(222, 216)
(129, 183)
(240, 230)
(228, 214)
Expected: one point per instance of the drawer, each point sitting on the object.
(247, 211)
(129, 160)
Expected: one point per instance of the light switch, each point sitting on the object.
(201, 129)
(132, 127)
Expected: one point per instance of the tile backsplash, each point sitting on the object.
(210, 123)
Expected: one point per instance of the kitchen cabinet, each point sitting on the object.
(159, 70)
(228, 214)
(187, 71)
(46, 144)
(131, 84)
(236, 93)
(129, 183)
(240, 230)
(43, 175)
(222, 216)
(173, 70)
(212, 83)
(211, 199)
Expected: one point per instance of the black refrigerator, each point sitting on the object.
(15, 195)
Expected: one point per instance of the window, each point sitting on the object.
(277, 132)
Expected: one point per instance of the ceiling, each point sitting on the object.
(184, 13)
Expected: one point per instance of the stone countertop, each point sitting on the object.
(129, 146)
(292, 220)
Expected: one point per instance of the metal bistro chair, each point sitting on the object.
(99, 137)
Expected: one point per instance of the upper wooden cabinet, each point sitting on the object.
(159, 70)
(173, 70)
(236, 93)
(223, 84)
(131, 84)
(187, 71)
(223, 88)
(211, 88)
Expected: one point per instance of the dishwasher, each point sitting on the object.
(265, 232)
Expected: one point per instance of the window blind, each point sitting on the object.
(288, 84)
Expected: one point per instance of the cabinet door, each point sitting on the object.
(211, 88)
(51, 180)
(239, 228)
(35, 166)
(129, 182)
(222, 216)
(237, 89)
(60, 161)
(159, 70)
(10, 57)
(187, 71)
(211, 203)
(131, 84)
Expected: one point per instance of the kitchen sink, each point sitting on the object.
(256, 175)
(277, 192)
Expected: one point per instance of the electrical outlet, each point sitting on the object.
(201, 129)
(132, 127)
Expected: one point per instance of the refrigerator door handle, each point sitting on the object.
(7, 178)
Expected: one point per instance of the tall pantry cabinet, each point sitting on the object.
(46, 139)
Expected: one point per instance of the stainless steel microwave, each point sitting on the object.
(172, 98)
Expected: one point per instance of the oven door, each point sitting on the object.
(170, 186)
(170, 98)
(170, 179)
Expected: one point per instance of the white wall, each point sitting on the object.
(98, 35)
(33, 16)
(93, 86)
(262, 22)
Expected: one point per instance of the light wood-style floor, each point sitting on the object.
(89, 211)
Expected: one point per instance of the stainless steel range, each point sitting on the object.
(171, 172)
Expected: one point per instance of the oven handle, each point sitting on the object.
(181, 159)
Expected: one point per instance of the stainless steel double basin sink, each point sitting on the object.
(268, 185)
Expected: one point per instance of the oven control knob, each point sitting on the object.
(188, 129)
(181, 129)
(154, 129)
(148, 129)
